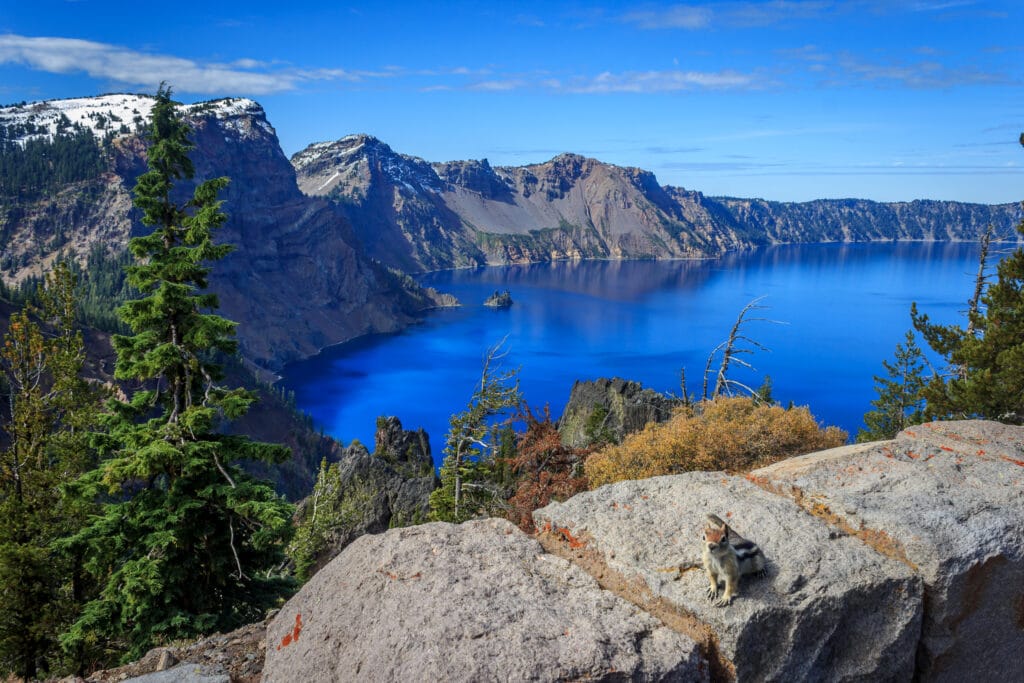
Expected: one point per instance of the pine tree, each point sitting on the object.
(188, 542)
(50, 409)
(987, 358)
(989, 382)
(900, 402)
(470, 473)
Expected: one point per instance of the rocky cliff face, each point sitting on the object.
(416, 215)
(296, 280)
(393, 202)
(860, 220)
(611, 408)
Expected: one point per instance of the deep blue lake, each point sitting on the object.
(843, 309)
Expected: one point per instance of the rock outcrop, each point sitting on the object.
(815, 616)
(400, 472)
(476, 602)
(389, 488)
(886, 561)
(946, 499)
(499, 299)
(610, 409)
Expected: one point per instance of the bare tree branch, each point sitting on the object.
(979, 280)
(238, 563)
(731, 352)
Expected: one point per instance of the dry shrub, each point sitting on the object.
(732, 434)
(545, 469)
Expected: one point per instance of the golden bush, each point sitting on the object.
(731, 434)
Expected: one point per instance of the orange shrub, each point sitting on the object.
(732, 434)
(545, 469)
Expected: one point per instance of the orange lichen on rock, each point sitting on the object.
(292, 635)
(574, 543)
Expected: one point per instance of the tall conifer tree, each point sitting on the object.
(188, 543)
(987, 358)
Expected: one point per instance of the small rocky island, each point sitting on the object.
(499, 299)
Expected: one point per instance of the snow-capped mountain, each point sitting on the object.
(295, 281)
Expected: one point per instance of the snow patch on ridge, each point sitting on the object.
(329, 180)
(120, 114)
(123, 114)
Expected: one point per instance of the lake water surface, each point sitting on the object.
(842, 310)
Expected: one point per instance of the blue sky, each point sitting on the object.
(786, 99)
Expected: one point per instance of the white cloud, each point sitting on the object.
(678, 16)
(135, 68)
(933, 6)
(640, 82)
(499, 86)
(918, 75)
(246, 63)
(743, 14)
(749, 14)
(625, 82)
(661, 81)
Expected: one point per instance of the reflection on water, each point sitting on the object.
(844, 307)
(615, 280)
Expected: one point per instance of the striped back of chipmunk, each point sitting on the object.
(749, 556)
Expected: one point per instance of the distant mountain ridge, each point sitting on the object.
(319, 238)
(417, 215)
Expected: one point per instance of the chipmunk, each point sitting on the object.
(728, 559)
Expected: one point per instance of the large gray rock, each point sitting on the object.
(475, 602)
(830, 608)
(947, 498)
(627, 407)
